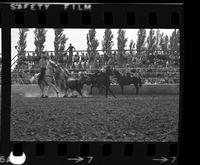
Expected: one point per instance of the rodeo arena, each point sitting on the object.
(103, 101)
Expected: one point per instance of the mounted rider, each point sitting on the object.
(44, 60)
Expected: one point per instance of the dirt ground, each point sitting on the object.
(95, 118)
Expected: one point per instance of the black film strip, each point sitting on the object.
(84, 16)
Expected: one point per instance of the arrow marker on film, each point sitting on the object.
(77, 160)
(162, 160)
(90, 158)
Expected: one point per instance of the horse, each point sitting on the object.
(101, 79)
(76, 83)
(93, 81)
(48, 81)
(124, 80)
(65, 81)
(60, 78)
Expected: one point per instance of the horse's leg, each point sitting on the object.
(66, 91)
(69, 91)
(122, 89)
(100, 87)
(40, 87)
(106, 91)
(79, 91)
(137, 89)
(56, 89)
(111, 92)
(91, 89)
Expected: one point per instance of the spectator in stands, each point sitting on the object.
(105, 57)
(76, 58)
(82, 57)
(70, 49)
(65, 57)
(29, 59)
(80, 63)
(86, 59)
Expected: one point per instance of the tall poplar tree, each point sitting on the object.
(92, 44)
(107, 42)
(59, 41)
(121, 44)
(140, 40)
(40, 38)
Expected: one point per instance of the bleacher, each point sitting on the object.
(160, 68)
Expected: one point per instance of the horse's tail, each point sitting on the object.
(140, 81)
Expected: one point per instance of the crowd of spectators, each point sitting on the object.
(154, 68)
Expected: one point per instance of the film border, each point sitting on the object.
(97, 148)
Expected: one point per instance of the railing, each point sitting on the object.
(126, 51)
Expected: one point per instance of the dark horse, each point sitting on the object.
(66, 81)
(76, 83)
(101, 79)
(124, 80)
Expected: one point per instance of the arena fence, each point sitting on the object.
(148, 75)
(32, 90)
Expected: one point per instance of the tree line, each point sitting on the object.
(150, 43)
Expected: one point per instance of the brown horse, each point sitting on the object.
(124, 80)
(66, 81)
(101, 79)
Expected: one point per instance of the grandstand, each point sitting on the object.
(157, 68)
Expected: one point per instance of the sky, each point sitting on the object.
(77, 37)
